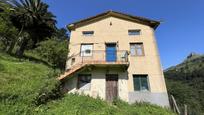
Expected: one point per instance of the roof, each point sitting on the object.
(152, 23)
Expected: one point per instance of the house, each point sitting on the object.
(115, 55)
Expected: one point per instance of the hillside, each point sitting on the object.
(186, 82)
(31, 88)
(21, 82)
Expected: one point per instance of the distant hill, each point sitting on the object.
(186, 82)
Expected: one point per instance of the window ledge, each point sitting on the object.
(88, 36)
(142, 91)
(137, 55)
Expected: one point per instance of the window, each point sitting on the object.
(84, 81)
(73, 61)
(133, 32)
(88, 33)
(136, 49)
(86, 49)
(140, 83)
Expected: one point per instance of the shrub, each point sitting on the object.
(54, 51)
(8, 33)
(49, 91)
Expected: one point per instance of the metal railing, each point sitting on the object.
(99, 56)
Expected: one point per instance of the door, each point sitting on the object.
(111, 87)
(110, 52)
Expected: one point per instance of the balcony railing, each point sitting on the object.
(101, 56)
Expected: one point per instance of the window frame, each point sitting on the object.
(136, 49)
(134, 32)
(82, 54)
(87, 33)
(78, 81)
(140, 76)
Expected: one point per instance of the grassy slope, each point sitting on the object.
(73, 104)
(22, 81)
(186, 82)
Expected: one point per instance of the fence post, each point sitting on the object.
(185, 110)
(175, 106)
(82, 57)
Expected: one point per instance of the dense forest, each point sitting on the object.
(186, 82)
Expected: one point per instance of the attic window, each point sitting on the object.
(88, 33)
(134, 32)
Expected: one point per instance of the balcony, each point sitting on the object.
(96, 58)
(101, 57)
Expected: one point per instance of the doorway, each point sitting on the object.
(111, 52)
(111, 87)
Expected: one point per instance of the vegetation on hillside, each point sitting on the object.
(186, 82)
(29, 87)
(28, 29)
(32, 19)
(74, 104)
(54, 51)
(23, 83)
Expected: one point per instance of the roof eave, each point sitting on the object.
(152, 23)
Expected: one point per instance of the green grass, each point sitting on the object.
(73, 104)
(22, 81)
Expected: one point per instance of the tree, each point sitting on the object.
(32, 17)
(8, 32)
(54, 51)
(7, 35)
(61, 34)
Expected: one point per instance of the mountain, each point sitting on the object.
(185, 82)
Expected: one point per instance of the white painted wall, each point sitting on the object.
(98, 82)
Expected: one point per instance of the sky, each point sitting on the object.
(180, 33)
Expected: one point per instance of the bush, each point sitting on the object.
(8, 33)
(54, 51)
(50, 90)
